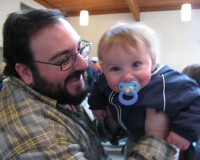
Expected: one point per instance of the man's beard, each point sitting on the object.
(59, 91)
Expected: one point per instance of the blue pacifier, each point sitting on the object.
(128, 89)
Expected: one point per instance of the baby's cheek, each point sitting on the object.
(113, 86)
(145, 82)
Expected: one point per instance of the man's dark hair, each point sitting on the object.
(193, 71)
(18, 29)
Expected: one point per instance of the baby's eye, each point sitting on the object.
(115, 69)
(136, 64)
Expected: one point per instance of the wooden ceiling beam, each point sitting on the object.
(72, 8)
(44, 3)
(134, 8)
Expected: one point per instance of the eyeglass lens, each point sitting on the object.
(85, 50)
(69, 62)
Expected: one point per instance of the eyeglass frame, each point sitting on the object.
(67, 58)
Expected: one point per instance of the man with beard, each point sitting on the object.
(44, 58)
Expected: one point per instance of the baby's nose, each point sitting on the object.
(128, 77)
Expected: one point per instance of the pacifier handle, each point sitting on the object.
(129, 89)
(128, 102)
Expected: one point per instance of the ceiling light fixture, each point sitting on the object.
(186, 12)
(84, 18)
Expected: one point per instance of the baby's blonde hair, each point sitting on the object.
(131, 33)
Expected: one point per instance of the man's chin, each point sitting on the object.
(78, 90)
(73, 99)
(64, 95)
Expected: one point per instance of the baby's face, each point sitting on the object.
(127, 64)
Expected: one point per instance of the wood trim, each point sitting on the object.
(134, 8)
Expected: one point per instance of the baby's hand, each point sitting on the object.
(177, 140)
(99, 114)
(156, 124)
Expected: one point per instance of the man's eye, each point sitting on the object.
(59, 62)
(66, 59)
(115, 69)
(63, 60)
(136, 64)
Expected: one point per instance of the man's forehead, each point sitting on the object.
(66, 25)
(70, 28)
(55, 39)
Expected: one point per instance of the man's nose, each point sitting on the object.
(80, 63)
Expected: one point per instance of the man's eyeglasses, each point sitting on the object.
(68, 62)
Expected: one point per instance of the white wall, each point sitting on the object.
(180, 41)
(97, 26)
(8, 6)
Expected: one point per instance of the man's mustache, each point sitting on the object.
(75, 74)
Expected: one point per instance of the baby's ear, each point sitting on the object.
(102, 66)
(153, 61)
(25, 73)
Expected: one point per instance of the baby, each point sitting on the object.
(132, 81)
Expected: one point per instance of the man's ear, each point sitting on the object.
(24, 72)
